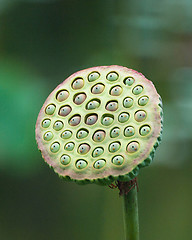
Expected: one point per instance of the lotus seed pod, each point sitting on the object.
(98, 152)
(95, 142)
(116, 91)
(93, 76)
(62, 95)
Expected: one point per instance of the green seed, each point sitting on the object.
(69, 146)
(98, 152)
(98, 88)
(140, 116)
(75, 120)
(127, 102)
(46, 123)
(55, 147)
(48, 136)
(78, 83)
(115, 132)
(143, 101)
(132, 147)
(62, 95)
(80, 164)
(50, 109)
(144, 130)
(106, 121)
(82, 134)
(112, 76)
(58, 125)
(114, 147)
(123, 117)
(99, 164)
(137, 90)
(93, 76)
(65, 110)
(99, 136)
(129, 81)
(65, 159)
(83, 148)
(66, 134)
(93, 104)
(92, 119)
(117, 160)
(111, 106)
(116, 91)
(129, 131)
(80, 98)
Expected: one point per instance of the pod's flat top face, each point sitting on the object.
(114, 109)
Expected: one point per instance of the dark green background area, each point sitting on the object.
(41, 43)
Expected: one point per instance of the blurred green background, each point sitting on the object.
(44, 41)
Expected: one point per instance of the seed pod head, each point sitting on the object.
(100, 125)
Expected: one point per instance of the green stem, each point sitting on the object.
(131, 215)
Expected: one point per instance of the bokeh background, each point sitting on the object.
(44, 41)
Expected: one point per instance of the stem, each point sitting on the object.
(131, 214)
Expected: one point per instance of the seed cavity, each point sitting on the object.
(80, 164)
(48, 136)
(62, 95)
(114, 147)
(115, 132)
(143, 101)
(129, 131)
(116, 91)
(58, 125)
(112, 76)
(82, 133)
(118, 160)
(123, 117)
(79, 98)
(64, 110)
(144, 130)
(111, 106)
(99, 136)
(75, 120)
(66, 134)
(99, 164)
(91, 119)
(50, 109)
(140, 116)
(69, 146)
(55, 147)
(98, 152)
(93, 104)
(107, 119)
(132, 147)
(137, 90)
(83, 148)
(93, 76)
(129, 81)
(46, 123)
(65, 159)
(98, 88)
(78, 83)
(128, 102)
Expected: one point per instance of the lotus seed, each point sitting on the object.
(83, 148)
(123, 117)
(66, 134)
(137, 90)
(128, 102)
(132, 147)
(92, 119)
(99, 164)
(93, 104)
(118, 160)
(65, 110)
(98, 88)
(129, 81)
(69, 146)
(98, 152)
(116, 91)
(140, 116)
(48, 136)
(65, 159)
(93, 76)
(75, 120)
(106, 121)
(46, 123)
(55, 147)
(111, 106)
(80, 164)
(78, 83)
(99, 136)
(144, 130)
(80, 98)
(143, 101)
(129, 131)
(50, 109)
(62, 95)
(82, 134)
(114, 147)
(115, 132)
(112, 76)
(58, 125)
